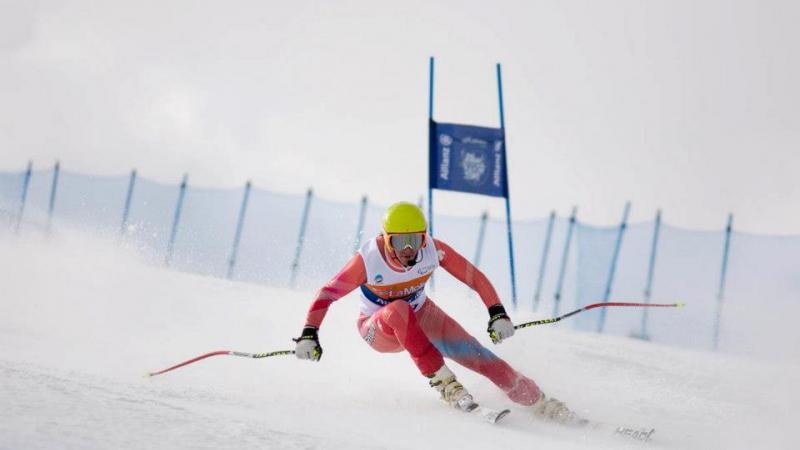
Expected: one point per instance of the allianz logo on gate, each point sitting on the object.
(474, 166)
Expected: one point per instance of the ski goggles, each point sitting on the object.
(400, 241)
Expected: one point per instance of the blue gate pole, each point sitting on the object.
(53, 190)
(508, 193)
(239, 225)
(564, 258)
(721, 292)
(612, 271)
(481, 234)
(648, 290)
(26, 181)
(430, 147)
(543, 263)
(126, 210)
(362, 212)
(301, 238)
(176, 220)
(431, 169)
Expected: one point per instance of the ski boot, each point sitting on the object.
(452, 392)
(555, 411)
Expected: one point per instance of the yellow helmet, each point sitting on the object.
(404, 217)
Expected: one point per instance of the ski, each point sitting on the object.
(641, 434)
(492, 415)
(467, 404)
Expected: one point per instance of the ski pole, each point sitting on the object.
(597, 305)
(223, 352)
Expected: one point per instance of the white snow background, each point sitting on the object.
(82, 319)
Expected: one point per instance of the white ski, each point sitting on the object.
(641, 434)
(467, 404)
(492, 415)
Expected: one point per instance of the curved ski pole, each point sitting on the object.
(222, 352)
(597, 305)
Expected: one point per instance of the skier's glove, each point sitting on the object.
(500, 326)
(307, 346)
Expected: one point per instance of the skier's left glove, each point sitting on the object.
(500, 326)
(308, 345)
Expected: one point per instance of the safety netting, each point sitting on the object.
(302, 240)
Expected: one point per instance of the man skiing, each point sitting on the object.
(391, 271)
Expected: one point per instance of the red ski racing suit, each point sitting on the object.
(399, 316)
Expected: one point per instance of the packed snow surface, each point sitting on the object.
(83, 319)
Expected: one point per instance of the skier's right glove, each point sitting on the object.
(500, 326)
(307, 345)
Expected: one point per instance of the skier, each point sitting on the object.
(391, 271)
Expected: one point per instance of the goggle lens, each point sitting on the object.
(401, 241)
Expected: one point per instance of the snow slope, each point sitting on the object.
(82, 319)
